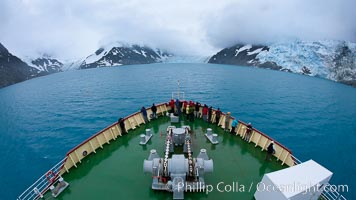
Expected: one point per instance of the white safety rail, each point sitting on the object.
(178, 95)
(36, 190)
(296, 160)
(328, 192)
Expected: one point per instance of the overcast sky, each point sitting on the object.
(76, 28)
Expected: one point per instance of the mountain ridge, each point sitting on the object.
(13, 69)
(123, 55)
(333, 60)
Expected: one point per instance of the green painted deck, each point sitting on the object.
(116, 172)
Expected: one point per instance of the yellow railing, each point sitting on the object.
(78, 153)
(113, 131)
(262, 140)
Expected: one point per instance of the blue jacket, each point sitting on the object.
(144, 112)
(234, 123)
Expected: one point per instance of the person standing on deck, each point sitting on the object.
(270, 151)
(185, 104)
(196, 111)
(154, 111)
(191, 113)
(205, 112)
(227, 121)
(233, 126)
(210, 113)
(249, 130)
(121, 123)
(144, 114)
(217, 116)
(178, 107)
(192, 110)
(171, 104)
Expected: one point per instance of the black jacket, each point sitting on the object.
(270, 148)
(154, 109)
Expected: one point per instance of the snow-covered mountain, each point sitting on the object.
(45, 64)
(123, 54)
(13, 69)
(334, 60)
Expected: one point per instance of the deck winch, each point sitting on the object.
(178, 173)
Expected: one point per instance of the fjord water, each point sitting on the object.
(43, 118)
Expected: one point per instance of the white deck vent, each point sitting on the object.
(304, 181)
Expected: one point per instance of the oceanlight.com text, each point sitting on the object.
(238, 187)
(301, 188)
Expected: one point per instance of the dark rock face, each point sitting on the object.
(97, 52)
(238, 55)
(270, 65)
(344, 69)
(244, 55)
(12, 69)
(126, 55)
(305, 70)
(47, 64)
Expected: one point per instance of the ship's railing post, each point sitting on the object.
(37, 189)
(178, 95)
(296, 160)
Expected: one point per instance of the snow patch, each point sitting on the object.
(250, 61)
(255, 51)
(104, 63)
(246, 47)
(114, 52)
(106, 48)
(143, 53)
(136, 51)
(93, 57)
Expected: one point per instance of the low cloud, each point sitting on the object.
(75, 29)
(267, 21)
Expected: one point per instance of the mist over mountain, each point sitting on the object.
(14, 70)
(118, 54)
(333, 60)
(74, 33)
(76, 29)
(46, 64)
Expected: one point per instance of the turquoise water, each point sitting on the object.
(41, 119)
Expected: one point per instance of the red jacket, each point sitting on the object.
(171, 103)
(205, 111)
(185, 103)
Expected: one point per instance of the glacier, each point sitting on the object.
(328, 59)
(321, 58)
